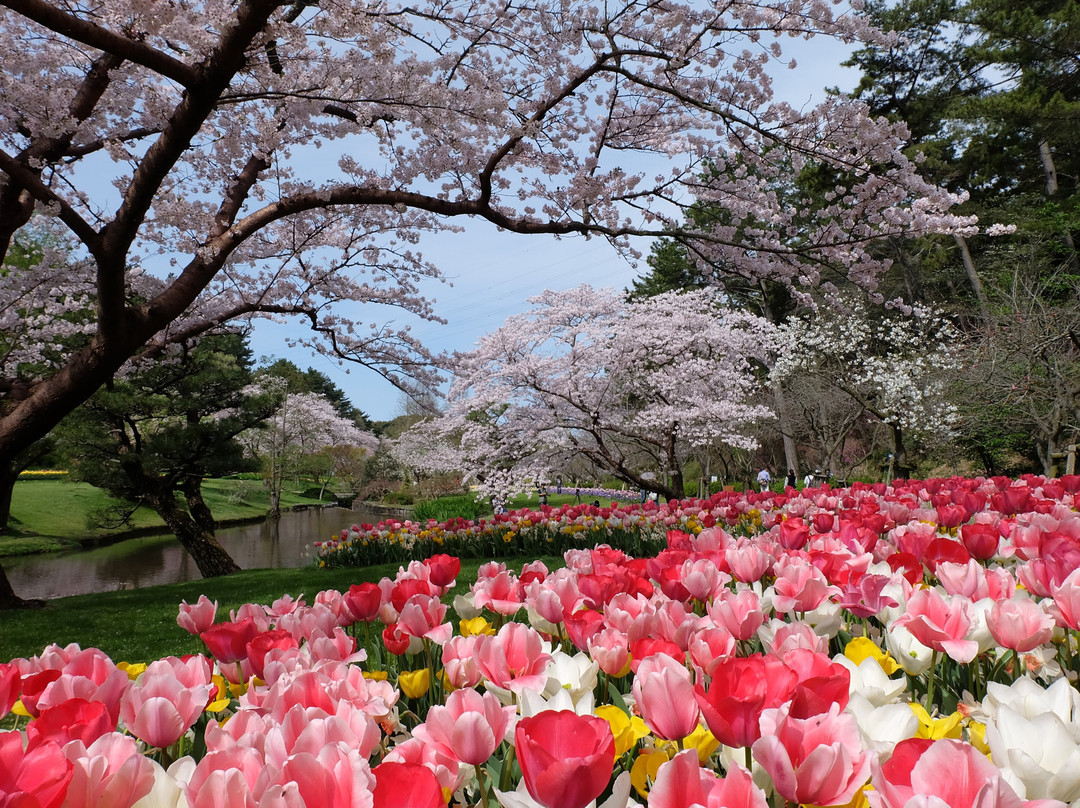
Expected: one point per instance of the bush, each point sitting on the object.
(444, 508)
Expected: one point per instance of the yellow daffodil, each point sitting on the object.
(936, 728)
(627, 730)
(643, 772)
(862, 648)
(476, 626)
(132, 669)
(415, 684)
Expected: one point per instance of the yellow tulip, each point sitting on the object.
(626, 730)
(376, 676)
(415, 684)
(936, 728)
(132, 669)
(475, 627)
(18, 709)
(221, 691)
(703, 741)
(643, 772)
(977, 736)
(862, 648)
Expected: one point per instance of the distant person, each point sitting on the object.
(596, 503)
(808, 480)
(764, 479)
(790, 481)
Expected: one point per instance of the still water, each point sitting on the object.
(153, 560)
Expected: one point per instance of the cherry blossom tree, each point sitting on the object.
(628, 386)
(304, 425)
(894, 366)
(285, 158)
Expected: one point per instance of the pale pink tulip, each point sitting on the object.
(817, 760)
(501, 594)
(682, 783)
(747, 561)
(470, 727)
(940, 624)
(167, 700)
(422, 616)
(610, 649)
(664, 693)
(1067, 601)
(945, 773)
(1019, 624)
(459, 661)
(739, 612)
(514, 659)
(111, 772)
(799, 586)
(225, 779)
(197, 617)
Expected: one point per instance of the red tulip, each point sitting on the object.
(566, 759)
(71, 719)
(741, 689)
(406, 785)
(263, 643)
(980, 539)
(228, 641)
(363, 601)
(444, 569)
(10, 685)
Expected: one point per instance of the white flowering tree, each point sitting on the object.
(285, 158)
(629, 386)
(304, 424)
(893, 367)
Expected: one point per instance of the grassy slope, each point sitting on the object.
(140, 625)
(54, 514)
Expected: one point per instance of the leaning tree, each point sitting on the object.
(280, 158)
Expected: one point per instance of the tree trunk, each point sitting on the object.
(9, 473)
(1050, 172)
(210, 557)
(791, 453)
(973, 278)
(900, 456)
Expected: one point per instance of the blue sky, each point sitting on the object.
(494, 273)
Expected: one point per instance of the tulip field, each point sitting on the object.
(915, 645)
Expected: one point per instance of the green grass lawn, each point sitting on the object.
(140, 625)
(57, 514)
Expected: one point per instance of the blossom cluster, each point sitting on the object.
(883, 646)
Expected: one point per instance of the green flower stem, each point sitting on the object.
(930, 683)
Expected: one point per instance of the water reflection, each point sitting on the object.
(154, 560)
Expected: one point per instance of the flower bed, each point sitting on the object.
(905, 646)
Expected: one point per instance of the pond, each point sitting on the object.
(159, 559)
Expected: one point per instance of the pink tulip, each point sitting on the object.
(195, 618)
(710, 647)
(459, 661)
(793, 534)
(501, 594)
(167, 700)
(813, 761)
(566, 759)
(514, 659)
(1066, 607)
(1019, 624)
(821, 683)
(610, 649)
(799, 586)
(35, 778)
(422, 616)
(682, 783)
(335, 775)
(740, 613)
(944, 773)
(747, 561)
(470, 727)
(664, 693)
(939, 624)
(228, 641)
(363, 602)
(225, 778)
(260, 646)
(406, 785)
(110, 772)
